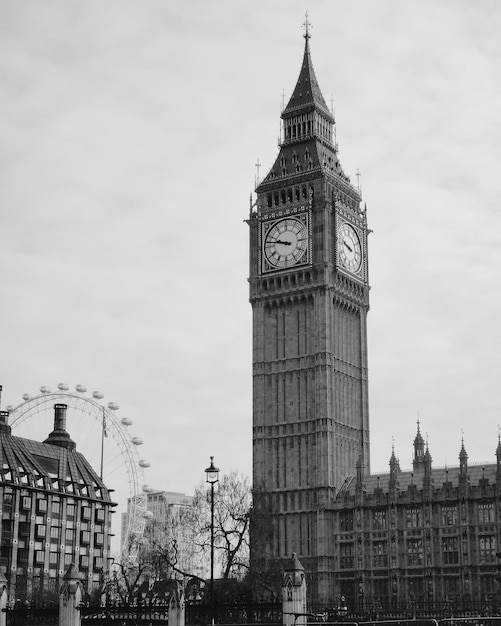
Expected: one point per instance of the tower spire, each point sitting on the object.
(307, 25)
(307, 96)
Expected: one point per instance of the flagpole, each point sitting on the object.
(102, 445)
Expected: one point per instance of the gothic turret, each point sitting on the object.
(463, 469)
(394, 471)
(498, 462)
(417, 462)
(463, 459)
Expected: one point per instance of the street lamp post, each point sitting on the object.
(212, 474)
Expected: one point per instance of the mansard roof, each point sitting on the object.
(48, 467)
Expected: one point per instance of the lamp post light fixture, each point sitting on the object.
(212, 474)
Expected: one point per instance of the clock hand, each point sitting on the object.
(284, 243)
(347, 246)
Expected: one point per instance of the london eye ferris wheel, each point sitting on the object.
(105, 440)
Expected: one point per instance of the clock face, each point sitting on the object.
(285, 243)
(349, 249)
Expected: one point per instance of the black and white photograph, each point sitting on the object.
(251, 295)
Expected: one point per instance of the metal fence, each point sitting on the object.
(444, 613)
(234, 613)
(33, 615)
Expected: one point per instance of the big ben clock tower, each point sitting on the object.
(310, 297)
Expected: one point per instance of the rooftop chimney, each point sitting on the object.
(59, 436)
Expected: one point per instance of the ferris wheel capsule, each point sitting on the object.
(81, 388)
(44, 389)
(26, 396)
(137, 441)
(148, 488)
(63, 387)
(126, 421)
(98, 395)
(113, 406)
(144, 463)
(148, 515)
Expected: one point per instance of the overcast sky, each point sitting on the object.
(129, 133)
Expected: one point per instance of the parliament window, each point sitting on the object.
(450, 550)
(346, 555)
(415, 552)
(449, 515)
(487, 550)
(380, 553)
(413, 517)
(379, 520)
(486, 513)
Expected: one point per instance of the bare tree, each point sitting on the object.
(126, 576)
(173, 546)
(178, 544)
(232, 504)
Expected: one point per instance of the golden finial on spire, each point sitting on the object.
(307, 25)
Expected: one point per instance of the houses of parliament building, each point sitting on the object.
(425, 534)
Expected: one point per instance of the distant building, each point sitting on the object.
(165, 524)
(55, 511)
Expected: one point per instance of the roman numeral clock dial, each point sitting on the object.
(284, 243)
(349, 248)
